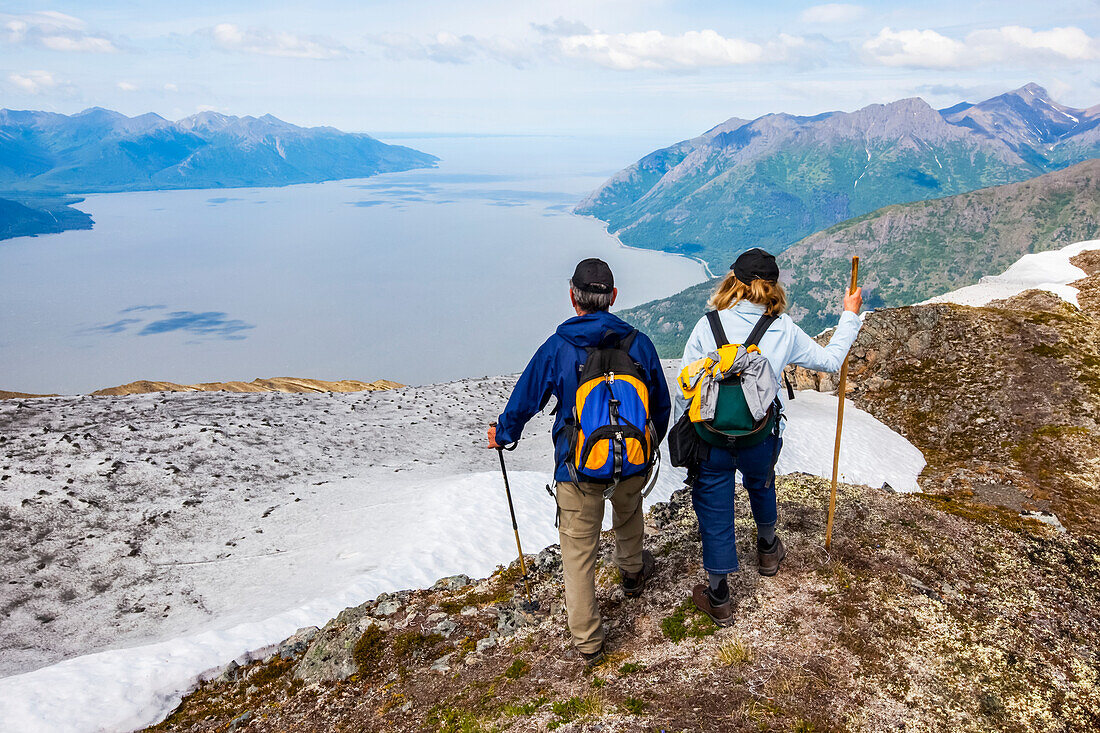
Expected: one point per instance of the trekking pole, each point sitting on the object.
(515, 525)
(839, 421)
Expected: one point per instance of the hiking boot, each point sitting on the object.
(591, 659)
(634, 583)
(768, 558)
(720, 613)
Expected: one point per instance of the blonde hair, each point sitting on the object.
(768, 293)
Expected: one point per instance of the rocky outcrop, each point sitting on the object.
(1004, 401)
(919, 619)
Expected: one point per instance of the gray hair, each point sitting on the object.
(590, 302)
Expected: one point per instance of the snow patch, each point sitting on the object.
(1049, 271)
(381, 535)
(870, 453)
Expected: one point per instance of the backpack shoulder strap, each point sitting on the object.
(716, 328)
(759, 329)
(628, 340)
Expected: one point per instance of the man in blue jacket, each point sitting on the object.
(554, 370)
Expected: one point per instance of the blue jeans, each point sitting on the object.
(712, 497)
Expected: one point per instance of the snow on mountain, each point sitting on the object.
(1027, 116)
(1049, 271)
(179, 531)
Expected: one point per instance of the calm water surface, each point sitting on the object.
(419, 277)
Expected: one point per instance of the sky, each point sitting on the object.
(649, 68)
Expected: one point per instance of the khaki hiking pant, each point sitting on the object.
(581, 515)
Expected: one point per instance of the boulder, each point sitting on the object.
(386, 608)
(329, 655)
(443, 664)
(445, 627)
(296, 645)
(488, 642)
(451, 582)
(240, 721)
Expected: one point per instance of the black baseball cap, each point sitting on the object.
(593, 276)
(756, 264)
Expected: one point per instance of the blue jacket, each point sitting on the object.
(554, 370)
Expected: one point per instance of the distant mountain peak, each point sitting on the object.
(1032, 89)
(729, 125)
(206, 118)
(101, 112)
(247, 125)
(908, 103)
(1023, 118)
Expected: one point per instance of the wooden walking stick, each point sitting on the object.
(839, 420)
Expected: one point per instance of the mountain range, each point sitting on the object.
(99, 150)
(771, 181)
(910, 252)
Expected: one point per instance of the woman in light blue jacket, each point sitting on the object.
(749, 292)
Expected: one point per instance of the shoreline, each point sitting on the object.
(72, 200)
(707, 274)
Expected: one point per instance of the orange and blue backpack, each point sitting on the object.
(613, 437)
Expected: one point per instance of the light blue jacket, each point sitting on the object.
(783, 343)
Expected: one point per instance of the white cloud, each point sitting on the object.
(932, 50)
(449, 48)
(53, 30)
(264, 42)
(1069, 43)
(832, 13)
(127, 86)
(39, 82)
(170, 87)
(563, 41)
(92, 44)
(690, 50)
(926, 49)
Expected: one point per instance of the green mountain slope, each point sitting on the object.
(910, 252)
(779, 178)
